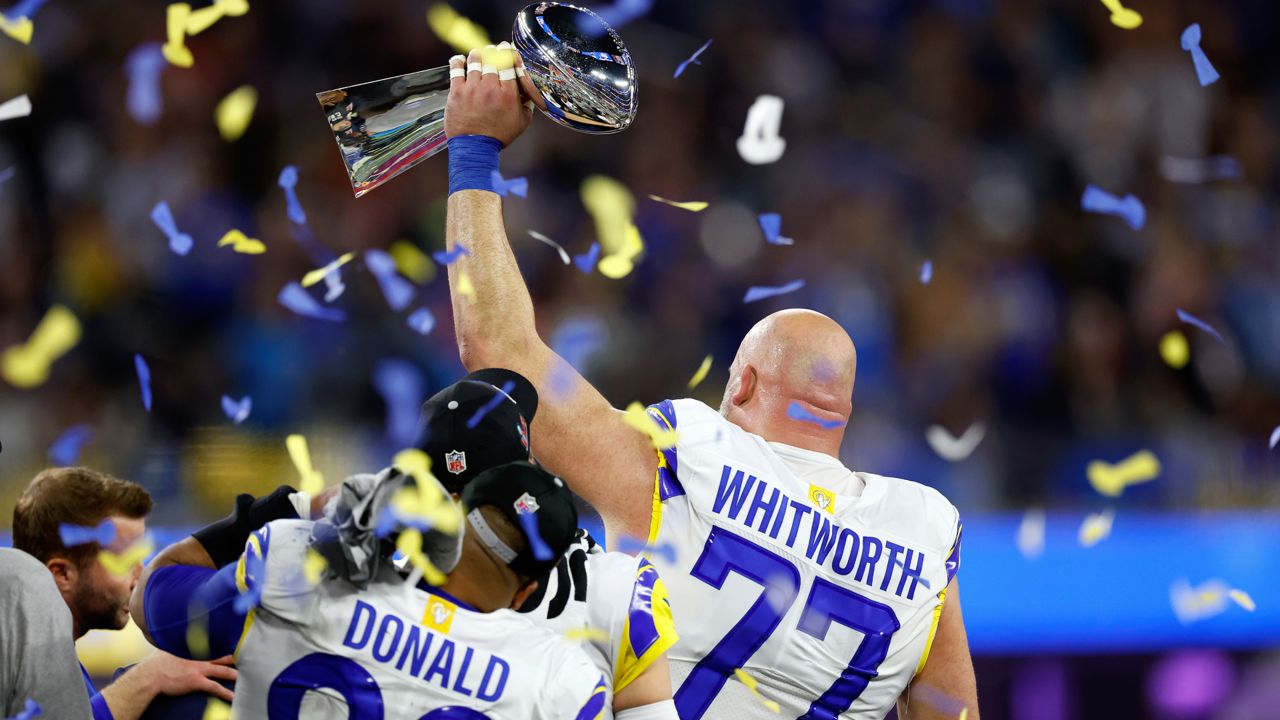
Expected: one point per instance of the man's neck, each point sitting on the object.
(462, 587)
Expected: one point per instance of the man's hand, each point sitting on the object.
(480, 102)
(163, 674)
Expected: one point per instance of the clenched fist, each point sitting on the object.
(488, 97)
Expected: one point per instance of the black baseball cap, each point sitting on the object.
(538, 503)
(475, 424)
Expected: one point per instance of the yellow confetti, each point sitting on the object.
(611, 206)
(1242, 599)
(175, 50)
(205, 17)
(701, 375)
(1111, 480)
(1096, 527)
(216, 709)
(121, 564)
(427, 499)
(410, 543)
(1174, 349)
(641, 420)
(235, 111)
(311, 481)
(457, 31)
(318, 274)
(586, 634)
(27, 366)
(241, 243)
(314, 566)
(1121, 16)
(964, 714)
(465, 288)
(198, 639)
(412, 262)
(745, 678)
(690, 205)
(20, 29)
(621, 263)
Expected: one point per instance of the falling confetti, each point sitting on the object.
(1242, 599)
(426, 499)
(690, 205)
(216, 709)
(693, 59)
(104, 533)
(951, 448)
(635, 546)
(204, 18)
(1096, 527)
(564, 255)
(761, 292)
(398, 291)
(586, 262)
(926, 272)
(15, 108)
(451, 256)
(1202, 601)
(771, 224)
(457, 31)
(465, 288)
(1121, 16)
(1191, 43)
(27, 366)
(314, 566)
(410, 543)
(586, 634)
(241, 243)
(179, 242)
(422, 321)
(412, 262)
(311, 481)
(1111, 480)
(175, 49)
(541, 550)
(796, 411)
(319, 274)
(17, 21)
(498, 397)
(1031, 534)
(612, 207)
(1174, 349)
(1275, 437)
(144, 380)
(1194, 321)
(400, 383)
(638, 418)
(122, 564)
(745, 678)
(297, 299)
(1130, 209)
(234, 112)
(144, 67)
(760, 142)
(7, 174)
(65, 450)
(1200, 170)
(288, 182)
(620, 264)
(237, 411)
(513, 186)
(30, 710)
(701, 374)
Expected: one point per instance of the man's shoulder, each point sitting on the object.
(17, 563)
(24, 576)
(914, 503)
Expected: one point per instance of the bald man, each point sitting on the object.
(794, 580)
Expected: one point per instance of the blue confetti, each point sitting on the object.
(615, 16)
(760, 292)
(398, 291)
(450, 257)
(72, 535)
(24, 9)
(514, 186)
(65, 451)
(237, 410)
(540, 549)
(400, 384)
(771, 224)
(926, 272)
(796, 411)
(179, 242)
(1275, 437)
(144, 380)
(1191, 43)
(254, 579)
(1192, 320)
(391, 520)
(296, 298)
(633, 546)
(503, 394)
(7, 174)
(586, 262)
(693, 59)
(144, 66)
(1100, 201)
(422, 321)
(31, 710)
(289, 182)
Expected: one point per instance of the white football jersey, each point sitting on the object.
(823, 585)
(612, 602)
(393, 651)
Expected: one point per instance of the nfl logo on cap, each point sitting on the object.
(526, 504)
(455, 462)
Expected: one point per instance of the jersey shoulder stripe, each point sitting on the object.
(649, 630)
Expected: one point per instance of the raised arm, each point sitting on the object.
(576, 433)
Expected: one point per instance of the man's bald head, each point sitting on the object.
(793, 356)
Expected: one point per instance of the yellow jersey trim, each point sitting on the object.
(630, 667)
(933, 630)
(255, 545)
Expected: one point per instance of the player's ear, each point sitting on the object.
(64, 572)
(746, 388)
(523, 594)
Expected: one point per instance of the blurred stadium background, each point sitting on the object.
(959, 132)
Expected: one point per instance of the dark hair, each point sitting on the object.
(74, 495)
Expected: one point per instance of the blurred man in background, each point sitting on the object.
(98, 598)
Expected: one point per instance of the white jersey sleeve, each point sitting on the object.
(822, 584)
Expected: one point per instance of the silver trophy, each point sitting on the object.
(576, 61)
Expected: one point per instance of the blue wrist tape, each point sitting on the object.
(472, 161)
